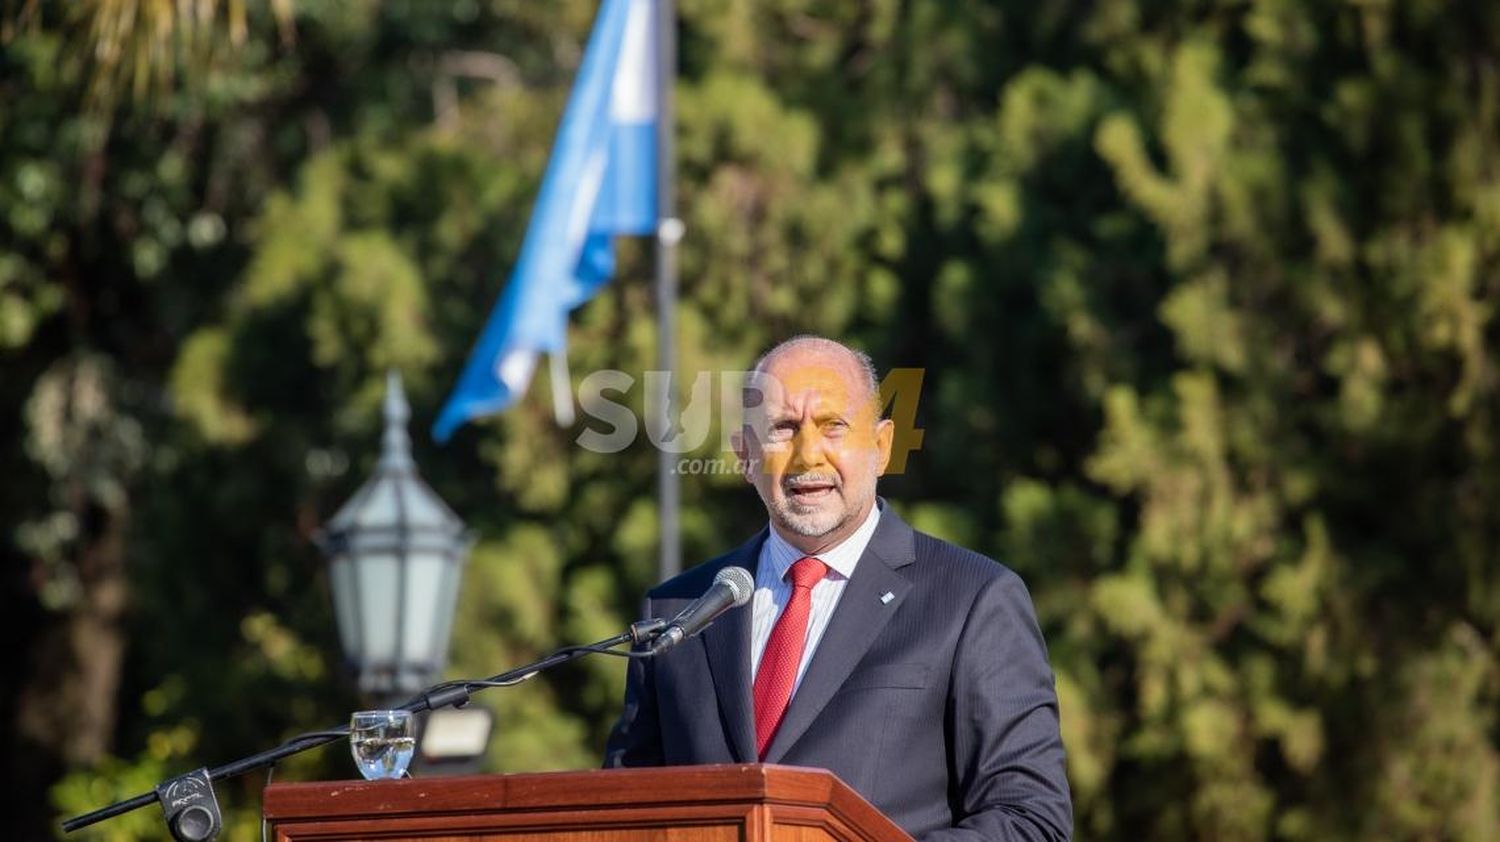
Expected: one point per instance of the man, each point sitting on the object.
(909, 667)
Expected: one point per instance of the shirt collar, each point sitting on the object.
(841, 559)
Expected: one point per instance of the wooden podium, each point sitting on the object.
(749, 803)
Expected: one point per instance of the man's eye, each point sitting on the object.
(781, 432)
(835, 428)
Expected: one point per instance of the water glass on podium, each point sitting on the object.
(382, 742)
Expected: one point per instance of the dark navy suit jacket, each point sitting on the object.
(937, 705)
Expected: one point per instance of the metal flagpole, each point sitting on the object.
(668, 233)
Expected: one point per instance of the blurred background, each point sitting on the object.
(1205, 294)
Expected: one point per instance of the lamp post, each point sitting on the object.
(396, 554)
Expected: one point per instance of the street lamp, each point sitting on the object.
(396, 554)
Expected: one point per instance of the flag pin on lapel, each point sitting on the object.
(885, 598)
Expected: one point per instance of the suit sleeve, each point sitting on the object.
(635, 739)
(1009, 770)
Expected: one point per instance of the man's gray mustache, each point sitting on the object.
(792, 483)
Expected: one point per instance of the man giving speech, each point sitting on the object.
(911, 668)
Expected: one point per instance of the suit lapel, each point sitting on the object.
(728, 644)
(856, 622)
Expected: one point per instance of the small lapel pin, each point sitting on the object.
(885, 598)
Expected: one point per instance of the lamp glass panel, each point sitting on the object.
(379, 578)
(345, 604)
(447, 605)
(426, 571)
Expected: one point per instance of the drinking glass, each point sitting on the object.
(382, 742)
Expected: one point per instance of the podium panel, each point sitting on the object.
(743, 803)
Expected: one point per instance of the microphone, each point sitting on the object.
(731, 589)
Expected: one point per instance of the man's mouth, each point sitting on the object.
(810, 492)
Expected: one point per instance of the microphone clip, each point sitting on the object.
(190, 806)
(643, 632)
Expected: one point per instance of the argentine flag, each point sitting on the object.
(600, 183)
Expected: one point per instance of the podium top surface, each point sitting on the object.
(598, 789)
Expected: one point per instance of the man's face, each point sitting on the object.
(815, 446)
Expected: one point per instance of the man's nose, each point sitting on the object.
(807, 448)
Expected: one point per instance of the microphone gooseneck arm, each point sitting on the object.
(441, 695)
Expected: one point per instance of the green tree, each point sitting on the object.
(1203, 292)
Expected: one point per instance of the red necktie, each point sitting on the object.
(783, 655)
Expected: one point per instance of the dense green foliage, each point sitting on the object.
(1205, 293)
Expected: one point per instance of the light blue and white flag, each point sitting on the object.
(599, 184)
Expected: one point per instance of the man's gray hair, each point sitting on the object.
(861, 359)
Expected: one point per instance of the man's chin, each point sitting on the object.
(810, 525)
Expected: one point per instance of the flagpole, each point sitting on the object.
(668, 233)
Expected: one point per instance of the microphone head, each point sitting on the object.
(739, 581)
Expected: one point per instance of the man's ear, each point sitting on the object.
(885, 431)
